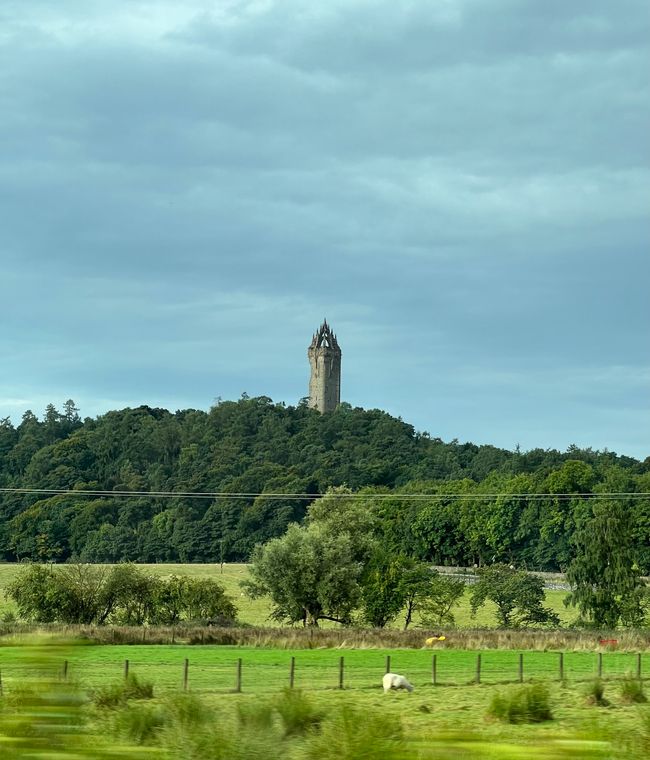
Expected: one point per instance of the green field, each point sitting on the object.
(442, 721)
(256, 611)
(212, 669)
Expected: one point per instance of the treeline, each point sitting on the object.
(124, 594)
(255, 446)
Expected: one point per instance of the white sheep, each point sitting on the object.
(394, 681)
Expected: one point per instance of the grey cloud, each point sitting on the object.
(464, 181)
(370, 36)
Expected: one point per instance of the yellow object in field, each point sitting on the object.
(434, 639)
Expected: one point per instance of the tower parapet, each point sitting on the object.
(325, 362)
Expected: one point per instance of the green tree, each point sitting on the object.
(310, 574)
(206, 600)
(383, 591)
(86, 594)
(130, 594)
(442, 594)
(517, 595)
(605, 580)
(415, 584)
(67, 594)
(340, 512)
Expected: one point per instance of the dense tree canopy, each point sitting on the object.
(253, 446)
(123, 594)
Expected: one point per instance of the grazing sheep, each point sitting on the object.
(394, 681)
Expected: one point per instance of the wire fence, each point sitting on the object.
(268, 671)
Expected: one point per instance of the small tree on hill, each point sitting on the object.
(518, 596)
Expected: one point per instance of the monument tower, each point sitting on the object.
(325, 361)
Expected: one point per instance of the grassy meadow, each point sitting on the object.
(256, 611)
(212, 669)
(317, 719)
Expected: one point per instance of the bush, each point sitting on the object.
(354, 735)
(87, 594)
(118, 694)
(256, 715)
(632, 691)
(298, 714)
(526, 704)
(186, 710)
(140, 724)
(594, 692)
(194, 732)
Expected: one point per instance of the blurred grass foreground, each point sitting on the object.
(47, 715)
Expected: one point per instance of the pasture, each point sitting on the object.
(213, 669)
(444, 721)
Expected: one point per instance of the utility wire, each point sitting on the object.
(312, 496)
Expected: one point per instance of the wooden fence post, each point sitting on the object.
(186, 673)
(521, 667)
(238, 681)
(126, 669)
(292, 672)
(341, 671)
(65, 670)
(478, 668)
(600, 664)
(638, 666)
(388, 663)
(561, 666)
(434, 670)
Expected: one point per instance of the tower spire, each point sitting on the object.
(325, 360)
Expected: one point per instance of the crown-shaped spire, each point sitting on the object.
(324, 337)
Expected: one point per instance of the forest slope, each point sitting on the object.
(254, 446)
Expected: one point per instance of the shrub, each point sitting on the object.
(594, 692)
(632, 691)
(118, 694)
(257, 715)
(186, 710)
(350, 734)
(298, 714)
(194, 732)
(526, 704)
(87, 594)
(141, 723)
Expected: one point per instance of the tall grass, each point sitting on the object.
(351, 734)
(594, 692)
(525, 704)
(353, 638)
(119, 693)
(632, 691)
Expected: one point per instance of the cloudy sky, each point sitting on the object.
(461, 187)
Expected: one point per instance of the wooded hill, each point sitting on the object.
(255, 446)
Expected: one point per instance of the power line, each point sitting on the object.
(312, 496)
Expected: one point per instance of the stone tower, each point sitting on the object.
(325, 361)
